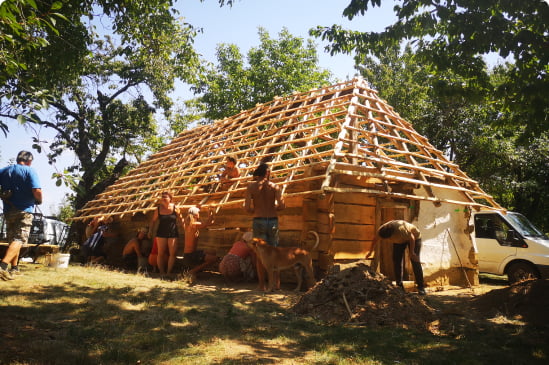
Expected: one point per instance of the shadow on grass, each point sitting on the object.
(79, 324)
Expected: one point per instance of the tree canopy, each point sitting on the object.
(476, 135)
(274, 68)
(449, 121)
(23, 30)
(454, 35)
(99, 80)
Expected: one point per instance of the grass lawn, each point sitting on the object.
(85, 315)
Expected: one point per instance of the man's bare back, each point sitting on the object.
(263, 199)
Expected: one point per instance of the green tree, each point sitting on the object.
(22, 30)
(454, 35)
(516, 175)
(104, 116)
(514, 172)
(98, 93)
(275, 68)
(66, 210)
(101, 100)
(43, 43)
(477, 136)
(450, 120)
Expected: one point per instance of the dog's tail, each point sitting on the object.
(317, 240)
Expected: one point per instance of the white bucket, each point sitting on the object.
(60, 261)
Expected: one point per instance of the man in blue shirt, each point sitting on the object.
(21, 191)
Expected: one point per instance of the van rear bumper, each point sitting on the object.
(544, 271)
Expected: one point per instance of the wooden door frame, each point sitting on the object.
(383, 253)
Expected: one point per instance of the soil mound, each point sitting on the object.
(527, 301)
(356, 294)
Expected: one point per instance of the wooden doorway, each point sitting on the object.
(388, 211)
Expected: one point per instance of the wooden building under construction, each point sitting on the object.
(346, 161)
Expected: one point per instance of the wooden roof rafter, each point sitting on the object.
(337, 127)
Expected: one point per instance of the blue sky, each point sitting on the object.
(237, 25)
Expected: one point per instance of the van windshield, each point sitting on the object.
(523, 225)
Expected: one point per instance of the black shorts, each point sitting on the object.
(130, 261)
(193, 259)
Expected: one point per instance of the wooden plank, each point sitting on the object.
(362, 214)
(407, 196)
(289, 238)
(355, 198)
(354, 231)
(241, 220)
(325, 203)
(219, 239)
(357, 181)
(346, 127)
(324, 223)
(325, 242)
(345, 249)
(293, 202)
(290, 222)
(310, 211)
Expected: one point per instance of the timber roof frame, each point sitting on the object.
(341, 129)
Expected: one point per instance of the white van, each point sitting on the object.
(509, 244)
(44, 230)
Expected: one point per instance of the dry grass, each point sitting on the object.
(84, 315)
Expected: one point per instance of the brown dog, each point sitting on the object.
(275, 259)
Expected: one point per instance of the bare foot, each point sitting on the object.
(192, 279)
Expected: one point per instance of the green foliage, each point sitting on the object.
(275, 68)
(485, 142)
(517, 176)
(66, 210)
(106, 115)
(102, 95)
(188, 113)
(144, 29)
(454, 36)
(24, 28)
(401, 80)
(105, 118)
(419, 95)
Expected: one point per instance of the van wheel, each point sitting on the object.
(521, 271)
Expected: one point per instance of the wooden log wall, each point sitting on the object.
(354, 225)
(344, 222)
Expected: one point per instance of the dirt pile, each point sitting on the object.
(527, 301)
(356, 294)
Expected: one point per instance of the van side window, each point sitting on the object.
(492, 226)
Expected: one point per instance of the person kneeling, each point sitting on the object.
(132, 256)
(193, 259)
(238, 264)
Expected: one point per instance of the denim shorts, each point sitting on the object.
(266, 229)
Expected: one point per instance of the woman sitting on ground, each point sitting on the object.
(132, 254)
(238, 264)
